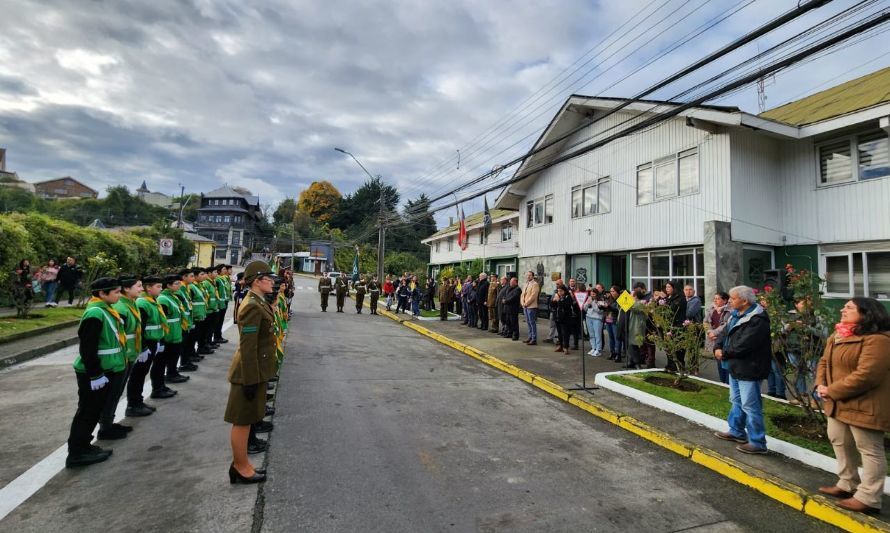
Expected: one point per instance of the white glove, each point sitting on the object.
(143, 357)
(160, 348)
(98, 383)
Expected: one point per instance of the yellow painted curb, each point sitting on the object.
(791, 495)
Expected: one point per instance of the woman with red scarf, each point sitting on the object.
(853, 379)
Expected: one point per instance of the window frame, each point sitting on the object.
(674, 161)
(508, 228)
(583, 189)
(852, 140)
(851, 279)
(650, 280)
(532, 209)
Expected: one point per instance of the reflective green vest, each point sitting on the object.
(183, 296)
(111, 351)
(212, 300)
(173, 310)
(199, 302)
(126, 308)
(155, 322)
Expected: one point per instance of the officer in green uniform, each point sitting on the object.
(209, 285)
(152, 324)
(374, 291)
(340, 288)
(101, 352)
(176, 324)
(360, 289)
(253, 365)
(188, 357)
(324, 287)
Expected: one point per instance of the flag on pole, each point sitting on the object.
(355, 266)
(462, 233)
(486, 221)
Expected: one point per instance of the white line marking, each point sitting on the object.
(17, 491)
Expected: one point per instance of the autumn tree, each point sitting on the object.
(320, 201)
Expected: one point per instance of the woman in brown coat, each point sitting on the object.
(853, 378)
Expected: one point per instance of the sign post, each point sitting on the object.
(165, 246)
(580, 298)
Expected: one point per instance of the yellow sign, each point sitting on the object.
(625, 301)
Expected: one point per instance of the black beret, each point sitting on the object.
(217, 268)
(105, 284)
(184, 272)
(170, 280)
(152, 280)
(128, 280)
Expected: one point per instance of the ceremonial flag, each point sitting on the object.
(355, 266)
(486, 220)
(462, 233)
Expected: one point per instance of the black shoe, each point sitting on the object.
(263, 427)
(112, 433)
(161, 394)
(269, 386)
(257, 446)
(93, 455)
(236, 477)
(152, 407)
(197, 357)
(273, 379)
(134, 411)
(205, 351)
(222, 340)
(270, 411)
(168, 389)
(178, 378)
(214, 346)
(121, 427)
(270, 397)
(188, 367)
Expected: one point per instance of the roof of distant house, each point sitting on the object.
(474, 219)
(195, 237)
(82, 184)
(228, 192)
(854, 95)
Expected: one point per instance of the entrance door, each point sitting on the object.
(582, 269)
(612, 270)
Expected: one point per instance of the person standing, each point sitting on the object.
(482, 300)
(446, 293)
(199, 312)
(153, 314)
(238, 295)
(252, 366)
(566, 318)
(491, 303)
(131, 289)
(594, 312)
(853, 381)
(175, 323)
(529, 302)
(553, 331)
(677, 303)
(512, 308)
(374, 292)
(101, 351)
(414, 296)
(611, 323)
(502, 306)
(360, 289)
(388, 290)
(153, 324)
(209, 286)
(49, 281)
(693, 304)
(69, 277)
(576, 330)
(717, 317)
(340, 290)
(324, 289)
(189, 356)
(224, 289)
(747, 349)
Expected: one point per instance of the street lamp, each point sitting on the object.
(381, 229)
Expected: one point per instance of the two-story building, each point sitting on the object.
(499, 248)
(714, 196)
(229, 218)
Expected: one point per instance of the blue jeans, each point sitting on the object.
(49, 287)
(775, 382)
(746, 415)
(531, 318)
(415, 307)
(723, 372)
(595, 330)
(615, 345)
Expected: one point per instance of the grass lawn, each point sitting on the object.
(429, 314)
(714, 400)
(40, 318)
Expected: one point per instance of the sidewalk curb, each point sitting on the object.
(39, 331)
(34, 353)
(782, 491)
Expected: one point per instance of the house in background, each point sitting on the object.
(714, 197)
(66, 187)
(229, 217)
(499, 249)
(154, 198)
(205, 250)
(9, 178)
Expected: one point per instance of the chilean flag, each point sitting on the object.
(462, 233)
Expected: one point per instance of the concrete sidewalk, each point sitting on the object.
(565, 371)
(22, 350)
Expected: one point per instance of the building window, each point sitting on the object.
(685, 266)
(506, 232)
(450, 244)
(591, 199)
(220, 254)
(668, 177)
(227, 219)
(854, 158)
(540, 211)
(857, 274)
(436, 246)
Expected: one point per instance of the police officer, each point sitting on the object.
(446, 294)
(102, 350)
(253, 365)
(340, 288)
(491, 302)
(360, 288)
(324, 287)
(374, 291)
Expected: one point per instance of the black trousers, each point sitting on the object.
(171, 353)
(137, 375)
(221, 317)
(210, 327)
(513, 324)
(565, 330)
(374, 297)
(341, 298)
(575, 330)
(89, 409)
(116, 383)
(158, 368)
(483, 317)
(200, 334)
(63, 289)
(188, 345)
(359, 300)
(324, 300)
(443, 312)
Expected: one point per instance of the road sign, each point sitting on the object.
(581, 297)
(166, 246)
(625, 301)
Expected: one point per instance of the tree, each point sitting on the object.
(361, 209)
(285, 212)
(320, 201)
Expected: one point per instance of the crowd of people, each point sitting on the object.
(51, 281)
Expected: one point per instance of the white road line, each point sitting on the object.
(17, 491)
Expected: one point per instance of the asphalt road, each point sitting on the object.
(380, 429)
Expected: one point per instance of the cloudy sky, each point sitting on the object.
(258, 94)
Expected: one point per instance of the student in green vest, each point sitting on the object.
(199, 312)
(209, 285)
(153, 324)
(224, 288)
(176, 323)
(131, 289)
(101, 352)
(159, 388)
(189, 357)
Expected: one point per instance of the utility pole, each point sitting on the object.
(381, 229)
(292, 231)
(181, 204)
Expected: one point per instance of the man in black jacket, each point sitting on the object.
(502, 306)
(511, 308)
(747, 350)
(69, 276)
(481, 299)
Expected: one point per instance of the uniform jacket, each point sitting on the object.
(446, 293)
(255, 360)
(856, 370)
(340, 286)
(491, 299)
(324, 285)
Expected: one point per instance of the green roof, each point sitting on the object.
(861, 93)
(475, 218)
